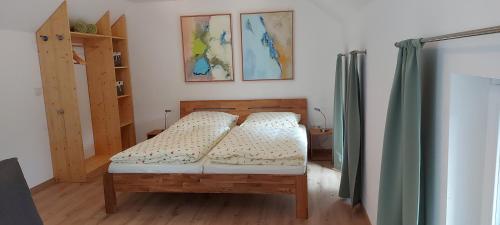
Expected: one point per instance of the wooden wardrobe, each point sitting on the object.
(112, 115)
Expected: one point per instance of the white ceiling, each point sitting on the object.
(28, 15)
(341, 10)
(141, 1)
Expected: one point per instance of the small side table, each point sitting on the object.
(316, 152)
(153, 133)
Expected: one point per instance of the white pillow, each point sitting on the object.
(207, 118)
(272, 120)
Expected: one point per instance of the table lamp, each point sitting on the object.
(324, 117)
(166, 116)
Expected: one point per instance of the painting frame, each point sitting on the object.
(292, 36)
(183, 35)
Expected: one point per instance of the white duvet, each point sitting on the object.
(186, 141)
(262, 146)
(175, 145)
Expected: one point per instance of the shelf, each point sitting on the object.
(126, 123)
(119, 38)
(121, 67)
(123, 96)
(96, 165)
(86, 35)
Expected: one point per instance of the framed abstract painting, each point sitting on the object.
(207, 48)
(267, 45)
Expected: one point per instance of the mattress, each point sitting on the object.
(163, 168)
(214, 168)
(206, 167)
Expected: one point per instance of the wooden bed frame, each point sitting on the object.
(219, 183)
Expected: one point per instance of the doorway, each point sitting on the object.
(473, 162)
(494, 143)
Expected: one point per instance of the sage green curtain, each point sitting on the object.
(338, 115)
(350, 182)
(401, 176)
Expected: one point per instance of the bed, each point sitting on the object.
(205, 176)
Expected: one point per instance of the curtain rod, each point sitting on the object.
(358, 51)
(470, 33)
(355, 51)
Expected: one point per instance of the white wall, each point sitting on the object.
(383, 22)
(156, 58)
(23, 128)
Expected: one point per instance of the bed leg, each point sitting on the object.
(301, 202)
(109, 193)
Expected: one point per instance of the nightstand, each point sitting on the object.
(316, 151)
(153, 133)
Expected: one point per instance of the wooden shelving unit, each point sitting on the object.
(112, 115)
(126, 106)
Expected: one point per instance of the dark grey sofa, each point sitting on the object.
(16, 204)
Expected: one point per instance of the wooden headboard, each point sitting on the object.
(243, 108)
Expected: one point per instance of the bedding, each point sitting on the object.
(262, 146)
(175, 145)
(186, 141)
(207, 118)
(272, 120)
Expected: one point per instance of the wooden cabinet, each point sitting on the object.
(154, 133)
(317, 152)
(112, 116)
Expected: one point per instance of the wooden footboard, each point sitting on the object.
(208, 183)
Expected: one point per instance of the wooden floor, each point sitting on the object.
(84, 204)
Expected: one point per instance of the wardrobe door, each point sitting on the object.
(59, 90)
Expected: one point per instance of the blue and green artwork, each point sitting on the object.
(267, 45)
(207, 48)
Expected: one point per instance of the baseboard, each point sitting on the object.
(43, 186)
